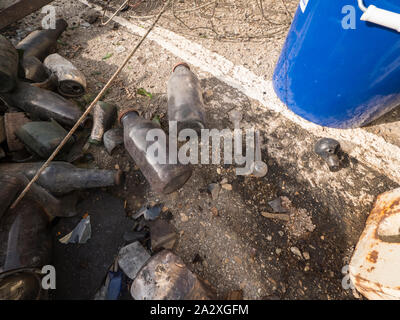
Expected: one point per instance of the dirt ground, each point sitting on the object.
(238, 246)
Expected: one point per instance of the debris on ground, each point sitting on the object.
(133, 236)
(113, 138)
(114, 286)
(279, 216)
(131, 259)
(149, 213)
(328, 150)
(276, 206)
(235, 295)
(300, 223)
(81, 234)
(90, 16)
(296, 251)
(12, 122)
(163, 235)
(163, 177)
(104, 116)
(214, 189)
(165, 277)
(43, 137)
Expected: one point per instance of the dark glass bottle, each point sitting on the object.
(8, 65)
(163, 178)
(43, 104)
(185, 99)
(13, 183)
(34, 70)
(62, 177)
(22, 284)
(104, 116)
(41, 43)
(71, 81)
(25, 239)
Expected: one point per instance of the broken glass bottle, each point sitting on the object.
(165, 277)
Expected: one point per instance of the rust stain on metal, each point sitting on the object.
(371, 269)
(365, 286)
(375, 261)
(373, 256)
(382, 211)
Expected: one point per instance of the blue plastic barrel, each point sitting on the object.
(339, 77)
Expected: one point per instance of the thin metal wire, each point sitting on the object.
(226, 20)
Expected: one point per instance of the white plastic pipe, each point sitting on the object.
(382, 17)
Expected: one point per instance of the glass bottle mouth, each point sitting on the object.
(184, 64)
(124, 113)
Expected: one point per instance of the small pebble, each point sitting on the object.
(120, 49)
(184, 217)
(296, 251)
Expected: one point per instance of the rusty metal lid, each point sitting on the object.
(181, 64)
(123, 113)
